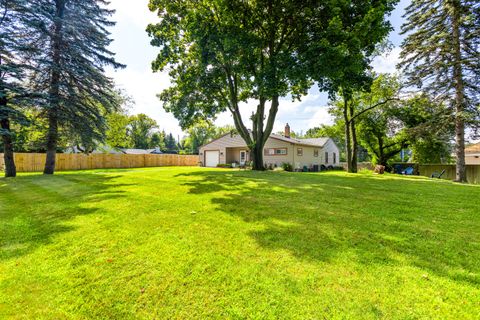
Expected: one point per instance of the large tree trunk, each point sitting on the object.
(461, 175)
(381, 154)
(10, 169)
(54, 92)
(261, 134)
(257, 157)
(354, 146)
(348, 145)
(52, 140)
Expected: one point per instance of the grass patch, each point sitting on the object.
(211, 243)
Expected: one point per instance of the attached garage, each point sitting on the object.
(212, 158)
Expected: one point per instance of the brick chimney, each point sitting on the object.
(287, 131)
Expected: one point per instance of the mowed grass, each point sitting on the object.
(193, 243)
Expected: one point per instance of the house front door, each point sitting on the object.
(243, 156)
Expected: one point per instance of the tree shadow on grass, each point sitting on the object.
(35, 208)
(421, 223)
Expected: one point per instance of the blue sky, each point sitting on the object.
(132, 47)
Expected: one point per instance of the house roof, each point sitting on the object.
(137, 151)
(313, 142)
(107, 149)
(316, 141)
(474, 148)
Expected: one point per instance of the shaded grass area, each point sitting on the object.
(199, 243)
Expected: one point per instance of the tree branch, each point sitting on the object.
(372, 107)
(271, 119)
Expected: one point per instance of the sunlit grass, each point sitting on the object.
(197, 243)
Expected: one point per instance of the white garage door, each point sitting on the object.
(212, 158)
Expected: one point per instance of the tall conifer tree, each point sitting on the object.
(17, 44)
(441, 55)
(71, 69)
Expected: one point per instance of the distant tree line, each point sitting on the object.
(142, 132)
(122, 131)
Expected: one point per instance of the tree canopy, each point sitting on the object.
(221, 53)
(203, 132)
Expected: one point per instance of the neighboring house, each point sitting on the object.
(111, 150)
(231, 148)
(141, 151)
(472, 154)
(98, 150)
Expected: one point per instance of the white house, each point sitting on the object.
(231, 148)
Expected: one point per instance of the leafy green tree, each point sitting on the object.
(221, 131)
(157, 140)
(377, 133)
(429, 126)
(203, 132)
(31, 137)
(352, 106)
(415, 122)
(217, 62)
(117, 134)
(339, 53)
(141, 129)
(440, 55)
(221, 53)
(70, 69)
(198, 135)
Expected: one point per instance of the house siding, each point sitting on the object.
(331, 148)
(472, 158)
(277, 159)
(221, 144)
(233, 154)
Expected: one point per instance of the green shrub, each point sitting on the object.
(224, 165)
(287, 166)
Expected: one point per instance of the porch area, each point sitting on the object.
(237, 155)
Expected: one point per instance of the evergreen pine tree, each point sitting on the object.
(170, 143)
(16, 45)
(71, 68)
(441, 55)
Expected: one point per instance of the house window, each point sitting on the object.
(275, 151)
(299, 152)
(334, 158)
(315, 152)
(326, 157)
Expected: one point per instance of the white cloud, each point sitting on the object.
(133, 11)
(321, 116)
(131, 43)
(387, 63)
(301, 115)
(143, 87)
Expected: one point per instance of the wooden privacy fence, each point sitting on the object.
(473, 171)
(34, 162)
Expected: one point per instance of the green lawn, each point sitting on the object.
(187, 243)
